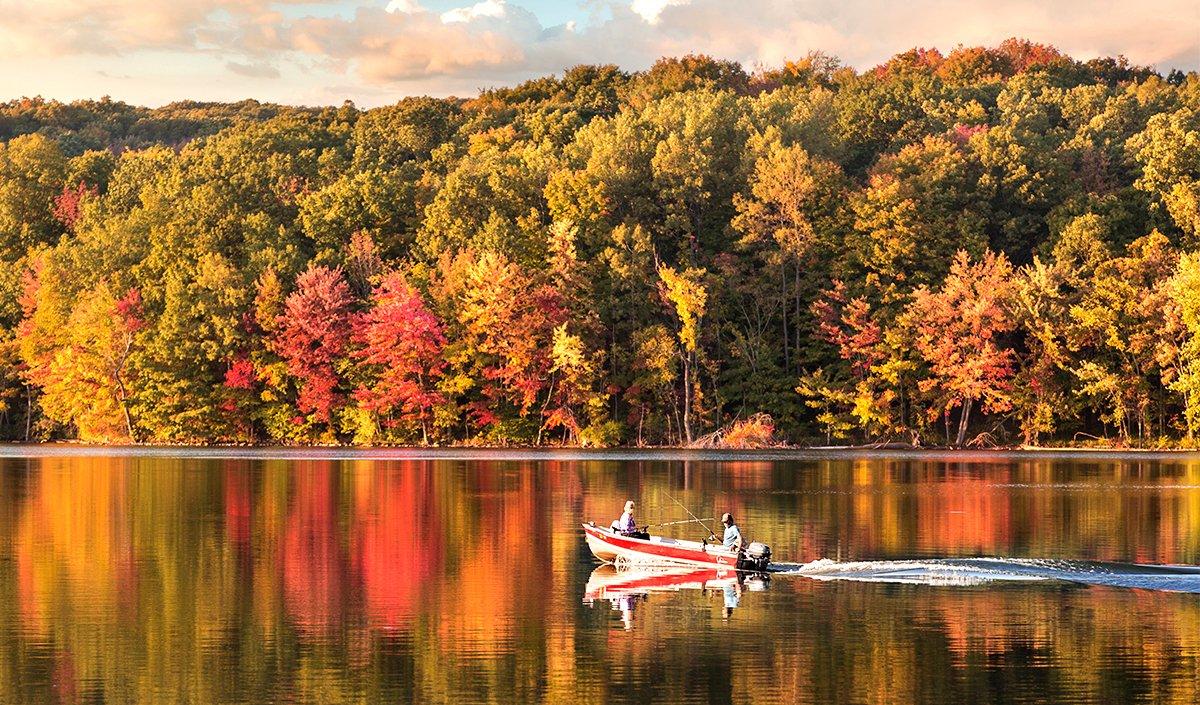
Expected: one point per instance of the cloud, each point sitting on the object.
(403, 46)
(255, 70)
(407, 7)
(112, 27)
(649, 10)
(488, 8)
(495, 40)
(54, 27)
(397, 46)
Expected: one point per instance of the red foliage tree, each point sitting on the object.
(241, 374)
(401, 342)
(68, 203)
(848, 325)
(312, 336)
(129, 311)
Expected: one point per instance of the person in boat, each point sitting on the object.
(627, 525)
(733, 535)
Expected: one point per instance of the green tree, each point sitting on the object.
(188, 350)
(32, 173)
(1184, 290)
(379, 203)
(688, 73)
(1168, 151)
(387, 138)
(919, 208)
(1115, 331)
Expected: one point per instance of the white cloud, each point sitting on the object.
(650, 10)
(487, 8)
(407, 7)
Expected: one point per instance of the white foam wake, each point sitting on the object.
(981, 571)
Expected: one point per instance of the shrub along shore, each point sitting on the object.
(992, 247)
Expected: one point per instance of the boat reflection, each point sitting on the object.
(624, 587)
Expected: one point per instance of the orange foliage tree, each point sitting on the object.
(958, 330)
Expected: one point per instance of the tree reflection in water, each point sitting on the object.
(171, 580)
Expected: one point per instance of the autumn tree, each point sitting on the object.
(297, 265)
(864, 388)
(685, 292)
(312, 336)
(958, 332)
(501, 318)
(795, 213)
(400, 346)
(85, 379)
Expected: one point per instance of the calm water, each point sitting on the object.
(161, 577)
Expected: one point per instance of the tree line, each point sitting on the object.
(988, 246)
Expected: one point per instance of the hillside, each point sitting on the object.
(996, 244)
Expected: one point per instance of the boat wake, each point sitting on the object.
(980, 571)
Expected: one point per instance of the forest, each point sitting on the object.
(984, 247)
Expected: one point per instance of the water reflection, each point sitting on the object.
(127, 579)
(623, 588)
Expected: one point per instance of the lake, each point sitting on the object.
(227, 576)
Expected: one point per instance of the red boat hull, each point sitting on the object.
(612, 547)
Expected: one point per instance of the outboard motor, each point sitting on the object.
(755, 557)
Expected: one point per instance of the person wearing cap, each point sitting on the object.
(733, 535)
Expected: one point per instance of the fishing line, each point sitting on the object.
(693, 516)
(683, 521)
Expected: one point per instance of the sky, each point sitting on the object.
(309, 52)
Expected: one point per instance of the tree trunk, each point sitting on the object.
(796, 316)
(963, 422)
(125, 409)
(549, 398)
(783, 290)
(687, 397)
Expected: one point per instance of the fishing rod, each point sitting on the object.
(683, 521)
(693, 516)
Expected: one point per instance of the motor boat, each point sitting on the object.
(619, 549)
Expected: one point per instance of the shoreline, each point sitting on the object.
(573, 454)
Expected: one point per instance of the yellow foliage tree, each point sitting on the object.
(685, 291)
